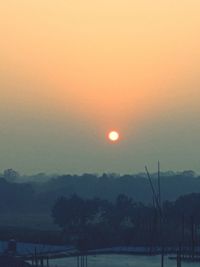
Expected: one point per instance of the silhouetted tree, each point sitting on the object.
(10, 175)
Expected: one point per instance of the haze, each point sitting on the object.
(70, 71)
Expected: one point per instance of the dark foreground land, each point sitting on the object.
(97, 212)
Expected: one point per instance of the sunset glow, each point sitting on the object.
(70, 70)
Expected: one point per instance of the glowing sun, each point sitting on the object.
(113, 136)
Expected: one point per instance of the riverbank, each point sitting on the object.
(114, 260)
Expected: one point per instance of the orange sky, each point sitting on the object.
(98, 64)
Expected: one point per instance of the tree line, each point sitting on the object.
(92, 223)
(38, 193)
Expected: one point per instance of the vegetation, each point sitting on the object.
(38, 193)
(100, 223)
(98, 211)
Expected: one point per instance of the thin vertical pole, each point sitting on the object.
(36, 260)
(183, 229)
(77, 261)
(82, 261)
(159, 191)
(178, 259)
(162, 258)
(193, 239)
(152, 188)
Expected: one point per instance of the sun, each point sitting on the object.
(113, 136)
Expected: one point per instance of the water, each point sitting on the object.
(29, 248)
(120, 261)
(111, 260)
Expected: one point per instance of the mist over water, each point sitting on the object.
(121, 261)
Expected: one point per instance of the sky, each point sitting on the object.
(71, 71)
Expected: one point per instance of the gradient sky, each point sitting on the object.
(71, 70)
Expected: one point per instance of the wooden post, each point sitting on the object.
(178, 259)
(78, 261)
(36, 260)
(162, 257)
(183, 229)
(86, 260)
(192, 236)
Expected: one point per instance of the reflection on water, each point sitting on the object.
(120, 261)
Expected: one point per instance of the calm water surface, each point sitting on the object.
(120, 261)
